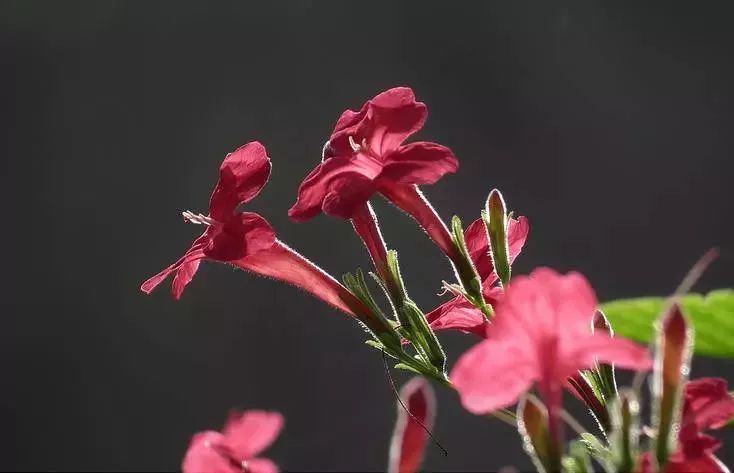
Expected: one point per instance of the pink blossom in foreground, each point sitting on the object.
(540, 334)
(409, 439)
(235, 449)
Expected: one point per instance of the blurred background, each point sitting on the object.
(609, 125)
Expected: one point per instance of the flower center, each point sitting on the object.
(199, 219)
(361, 147)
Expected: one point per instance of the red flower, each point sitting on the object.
(365, 155)
(235, 449)
(541, 333)
(408, 443)
(459, 313)
(707, 404)
(229, 235)
(247, 241)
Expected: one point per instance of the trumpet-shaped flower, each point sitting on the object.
(246, 240)
(365, 155)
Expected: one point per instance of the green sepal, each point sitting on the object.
(413, 322)
(598, 451)
(577, 460)
(494, 216)
(624, 438)
(358, 286)
(466, 272)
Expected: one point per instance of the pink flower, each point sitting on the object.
(247, 241)
(541, 333)
(408, 443)
(229, 235)
(707, 404)
(235, 449)
(459, 313)
(366, 154)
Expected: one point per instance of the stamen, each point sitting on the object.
(355, 147)
(198, 219)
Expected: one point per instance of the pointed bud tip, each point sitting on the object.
(674, 323)
(600, 323)
(496, 201)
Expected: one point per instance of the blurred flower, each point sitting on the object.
(540, 333)
(235, 449)
(408, 443)
(707, 404)
(458, 313)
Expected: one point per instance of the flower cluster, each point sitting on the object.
(540, 333)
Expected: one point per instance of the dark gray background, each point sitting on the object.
(609, 125)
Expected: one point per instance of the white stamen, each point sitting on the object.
(355, 147)
(198, 219)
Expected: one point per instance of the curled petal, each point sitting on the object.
(493, 375)
(419, 163)
(392, 117)
(328, 180)
(249, 433)
(707, 403)
(458, 314)
(184, 269)
(242, 175)
(477, 243)
(517, 234)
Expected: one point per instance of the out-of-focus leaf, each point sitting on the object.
(712, 317)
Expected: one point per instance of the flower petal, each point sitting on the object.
(245, 234)
(493, 375)
(248, 433)
(347, 194)
(331, 178)
(242, 175)
(392, 116)
(261, 465)
(202, 455)
(477, 243)
(408, 442)
(704, 464)
(419, 163)
(708, 403)
(583, 352)
(184, 268)
(458, 314)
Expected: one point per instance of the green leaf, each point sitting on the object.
(712, 317)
